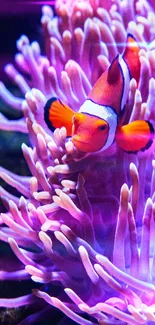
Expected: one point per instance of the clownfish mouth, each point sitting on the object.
(83, 145)
(79, 144)
(77, 139)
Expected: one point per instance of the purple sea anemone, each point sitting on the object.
(83, 222)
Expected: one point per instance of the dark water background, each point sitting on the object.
(16, 19)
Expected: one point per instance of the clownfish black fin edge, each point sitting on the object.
(152, 132)
(57, 115)
(46, 113)
(130, 35)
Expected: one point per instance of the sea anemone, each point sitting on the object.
(83, 228)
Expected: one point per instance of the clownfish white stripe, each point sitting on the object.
(103, 112)
(126, 80)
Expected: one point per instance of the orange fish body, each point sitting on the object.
(95, 126)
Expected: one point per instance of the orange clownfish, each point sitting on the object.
(96, 125)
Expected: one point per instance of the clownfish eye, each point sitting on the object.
(103, 127)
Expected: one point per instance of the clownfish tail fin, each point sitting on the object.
(57, 115)
(135, 136)
(131, 57)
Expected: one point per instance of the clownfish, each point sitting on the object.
(96, 125)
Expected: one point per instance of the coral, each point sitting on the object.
(84, 222)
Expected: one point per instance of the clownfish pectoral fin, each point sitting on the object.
(57, 115)
(135, 136)
(131, 57)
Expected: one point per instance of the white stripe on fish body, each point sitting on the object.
(126, 80)
(103, 112)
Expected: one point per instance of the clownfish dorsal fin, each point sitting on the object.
(114, 71)
(135, 136)
(131, 57)
(57, 114)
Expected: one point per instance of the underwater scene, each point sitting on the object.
(77, 156)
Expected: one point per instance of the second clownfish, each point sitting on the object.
(96, 125)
